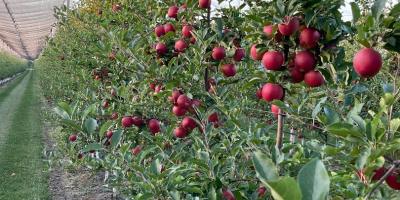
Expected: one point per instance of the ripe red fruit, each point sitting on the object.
(175, 95)
(229, 70)
(309, 37)
(196, 103)
(183, 101)
(391, 180)
(205, 3)
(153, 86)
(80, 156)
(72, 138)
(127, 121)
(183, 7)
(227, 194)
(289, 26)
(112, 55)
(273, 60)
(179, 111)
(218, 53)
(105, 104)
(269, 30)
(180, 132)
(271, 92)
(169, 27)
(378, 173)
(188, 123)
(155, 131)
(92, 151)
(212, 81)
(275, 110)
(314, 78)
(299, 136)
(312, 127)
(213, 117)
(254, 53)
(161, 48)
(110, 134)
(62, 58)
(137, 121)
(192, 40)
(261, 190)
(181, 45)
(296, 74)
(173, 12)
(159, 31)
(186, 31)
(259, 93)
(114, 8)
(367, 62)
(393, 59)
(154, 124)
(304, 61)
(99, 12)
(112, 92)
(136, 150)
(239, 54)
(114, 116)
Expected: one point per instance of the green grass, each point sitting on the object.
(21, 141)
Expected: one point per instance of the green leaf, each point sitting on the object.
(105, 127)
(355, 89)
(146, 151)
(61, 112)
(344, 129)
(318, 107)
(92, 146)
(331, 115)
(313, 181)
(395, 12)
(394, 124)
(90, 125)
(284, 189)
(362, 158)
(65, 106)
(191, 190)
(116, 138)
(174, 194)
(265, 168)
(156, 167)
(309, 17)
(355, 11)
(212, 195)
(71, 123)
(144, 196)
(251, 82)
(360, 122)
(377, 8)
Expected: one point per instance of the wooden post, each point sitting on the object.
(281, 122)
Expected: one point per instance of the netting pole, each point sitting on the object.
(68, 4)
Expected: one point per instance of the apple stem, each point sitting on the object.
(395, 93)
(390, 171)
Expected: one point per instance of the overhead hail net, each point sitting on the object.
(24, 25)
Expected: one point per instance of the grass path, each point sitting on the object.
(21, 141)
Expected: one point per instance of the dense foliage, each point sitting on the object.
(186, 113)
(11, 65)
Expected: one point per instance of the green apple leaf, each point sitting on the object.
(265, 168)
(314, 181)
(116, 138)
(91, 125)
(92, 146)
(283, 189)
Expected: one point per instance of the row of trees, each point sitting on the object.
(11, 65)
(180, 103)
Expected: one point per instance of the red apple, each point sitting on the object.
(391, 180)
(161, 48)
(112, 92)
(183, 101)
(296, 74)
(116, 7)
(159, 31)
(261, 190)
(229, 70)
(183, 7)
(367, 62)
(196, 103)
(110, 134)
(186, 31)
(179, 111)
(127, 121)
(155, 131)
(314, 78)
(154, 124)
(269, 30)
(205, 3)
(254, 53)
(192, 40)
(259, 93)
(289, 26)
(239, 54)
(80, 156)
(114, 116)
(169, 27)
(105, 104)
(393, 59)
(173, 12)
(99, 12)
(227, 194)
(275, 110)
(158, 88)
(181, 45)
(136, 150)
(309, 37)
(112, 55)
(72, 138)
(271, 92)
(137, 121)
(378, 173)
(213, 117)
(62, 58)
(92, 151)
(218, 53)
(180, 132)
(273, 60)
(188, 123)
(212, 81)
(304, 61)
(299, 136)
